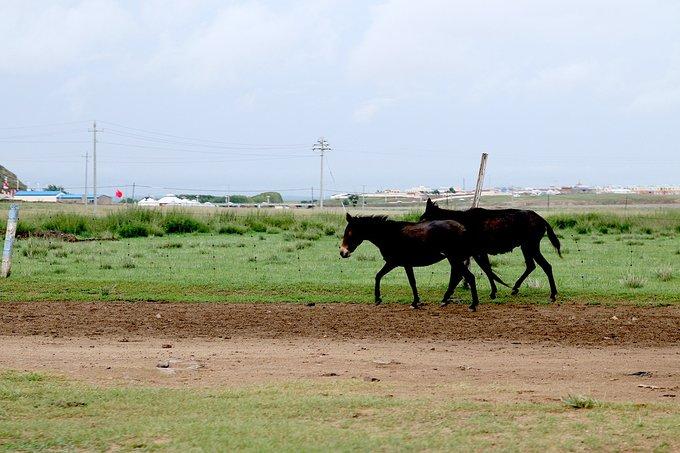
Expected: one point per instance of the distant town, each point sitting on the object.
(15, 190)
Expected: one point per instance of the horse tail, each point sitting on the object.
(498, 279)
(553, 238)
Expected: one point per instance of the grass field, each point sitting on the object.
(38, 412)
(610, 258)
(292, 258)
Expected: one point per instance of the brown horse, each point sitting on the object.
(409, 245)
(496, 231)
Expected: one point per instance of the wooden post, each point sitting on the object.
(12, 220)
(480, 181)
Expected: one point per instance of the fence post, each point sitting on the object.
(12, 220)
(480, 181)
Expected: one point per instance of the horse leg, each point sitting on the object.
(470, 279)
(467, 264)
(385, 269)
(454, 279)
(484, 263)
(412, 282)
(547, 268)
(529, 260)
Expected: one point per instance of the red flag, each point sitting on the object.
(119, 194)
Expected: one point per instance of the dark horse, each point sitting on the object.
(410, 245)
(499, 231)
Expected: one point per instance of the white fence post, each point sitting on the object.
(12, 220)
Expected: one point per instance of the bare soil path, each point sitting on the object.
(493, 371)
(501, 353)
(566, 324)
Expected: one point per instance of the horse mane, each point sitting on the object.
(369, 220)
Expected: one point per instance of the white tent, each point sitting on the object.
(148, 201)
(171, 200)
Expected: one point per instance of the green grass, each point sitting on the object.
(39, 412)
(295, 267)
(580, 401)
(256, 256)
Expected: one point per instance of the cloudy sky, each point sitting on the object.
(220, 95)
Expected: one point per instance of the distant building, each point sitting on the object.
(55, 196)
(45, 196)
(73, 198)
(104, 199)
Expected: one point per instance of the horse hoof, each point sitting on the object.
(443, 304)
(378, 301)
(492, 296)
(415, 306)
(515, 291)
(472, 308)
(553, 298)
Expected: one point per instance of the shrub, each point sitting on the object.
(129, 265)
(133, 230)
(105, 266)
(534, 283)
(23, 228)
(633, 281)
(257, 227)
(582, 229)
(664, 274)
(67, 223)
(232, 228)
(307, 235)
(303, 245)
(563, 223)
(171, 245)
(176, 222)
(580, 401)
(34, 249)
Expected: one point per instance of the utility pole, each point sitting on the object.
(480, 181)
(321, 146)
(94, 163)
(87, 159)
(133, 191)
(363, 195)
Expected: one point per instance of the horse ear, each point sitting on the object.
(429, 203)
(348, 217)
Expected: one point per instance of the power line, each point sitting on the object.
(195, 139)
(43, 134)
(184, 150)
(200, 145)
(35, 126)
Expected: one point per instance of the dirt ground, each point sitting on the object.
(501, 353)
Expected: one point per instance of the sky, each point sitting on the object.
(230, 96)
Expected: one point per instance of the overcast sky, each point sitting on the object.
(221, 95)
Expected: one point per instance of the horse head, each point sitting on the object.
(351, 239)
(431, 211)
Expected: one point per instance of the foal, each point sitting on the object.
(409, 245)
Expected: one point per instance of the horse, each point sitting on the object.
(498, 231)
(411, 244)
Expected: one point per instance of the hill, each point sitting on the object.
(11, 179)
